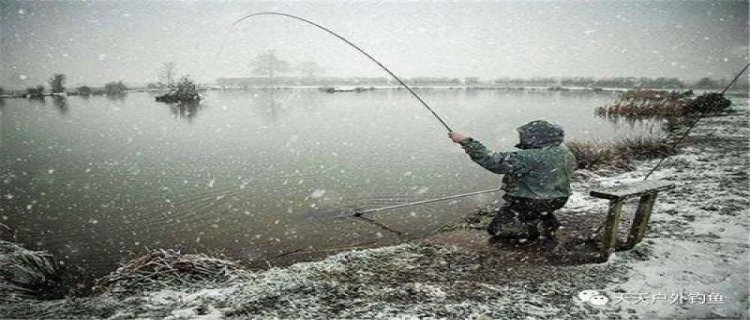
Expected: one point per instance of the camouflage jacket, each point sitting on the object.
(542, 170)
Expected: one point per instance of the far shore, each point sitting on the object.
(363, 88)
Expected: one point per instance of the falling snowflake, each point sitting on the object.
(317, 193)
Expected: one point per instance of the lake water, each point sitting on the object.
(258, 175)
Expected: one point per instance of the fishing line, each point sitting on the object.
(692, 125)
(353, 46)
(360, 213)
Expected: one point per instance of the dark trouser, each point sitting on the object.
(518, 218)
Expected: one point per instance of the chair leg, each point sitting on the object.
(642, 216)
(610, 229)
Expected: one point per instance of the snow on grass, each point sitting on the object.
(405, 281)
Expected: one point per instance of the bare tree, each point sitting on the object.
(167, 74)
(57, 82)
(267, 64)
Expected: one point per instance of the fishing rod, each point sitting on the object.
(271, 13)
(692, 125)
(359, 213)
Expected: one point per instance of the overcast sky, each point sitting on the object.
(99, 41)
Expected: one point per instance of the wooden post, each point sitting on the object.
(642, 216)
(610, 229)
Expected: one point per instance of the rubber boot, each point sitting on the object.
(531, 234)
(506, 225)
(496, 225)
(549, 226)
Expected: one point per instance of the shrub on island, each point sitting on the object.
(185, 90)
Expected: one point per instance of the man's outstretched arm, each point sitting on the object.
(497, 162)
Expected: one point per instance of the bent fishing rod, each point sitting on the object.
(271, 13)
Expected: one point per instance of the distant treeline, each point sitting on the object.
(620, 82)
(56, 83)
(111, 88)
(586, 82)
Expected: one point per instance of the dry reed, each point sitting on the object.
(637, 104)
(26, 274)
(619, 155)
(167, 267)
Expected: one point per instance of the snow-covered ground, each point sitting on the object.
(697, 262)
(694, 260)
(693, 263)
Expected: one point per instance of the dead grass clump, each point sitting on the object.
(647, 103)
(163, 268)
(642, 109)
(639, 104)
(644, 148)
(619, 155)
(594, 155)
(26, 274)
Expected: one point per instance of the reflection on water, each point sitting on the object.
(257, 173)
(266, 103)
(185, 110)
(37, 99)
(117, 96)
(648, 125)
(61, 103)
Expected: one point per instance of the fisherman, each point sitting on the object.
(536, 181)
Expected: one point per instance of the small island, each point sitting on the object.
(183, 91)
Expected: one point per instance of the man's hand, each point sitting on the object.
(457, 137)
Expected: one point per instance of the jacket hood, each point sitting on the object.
(539, 134)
